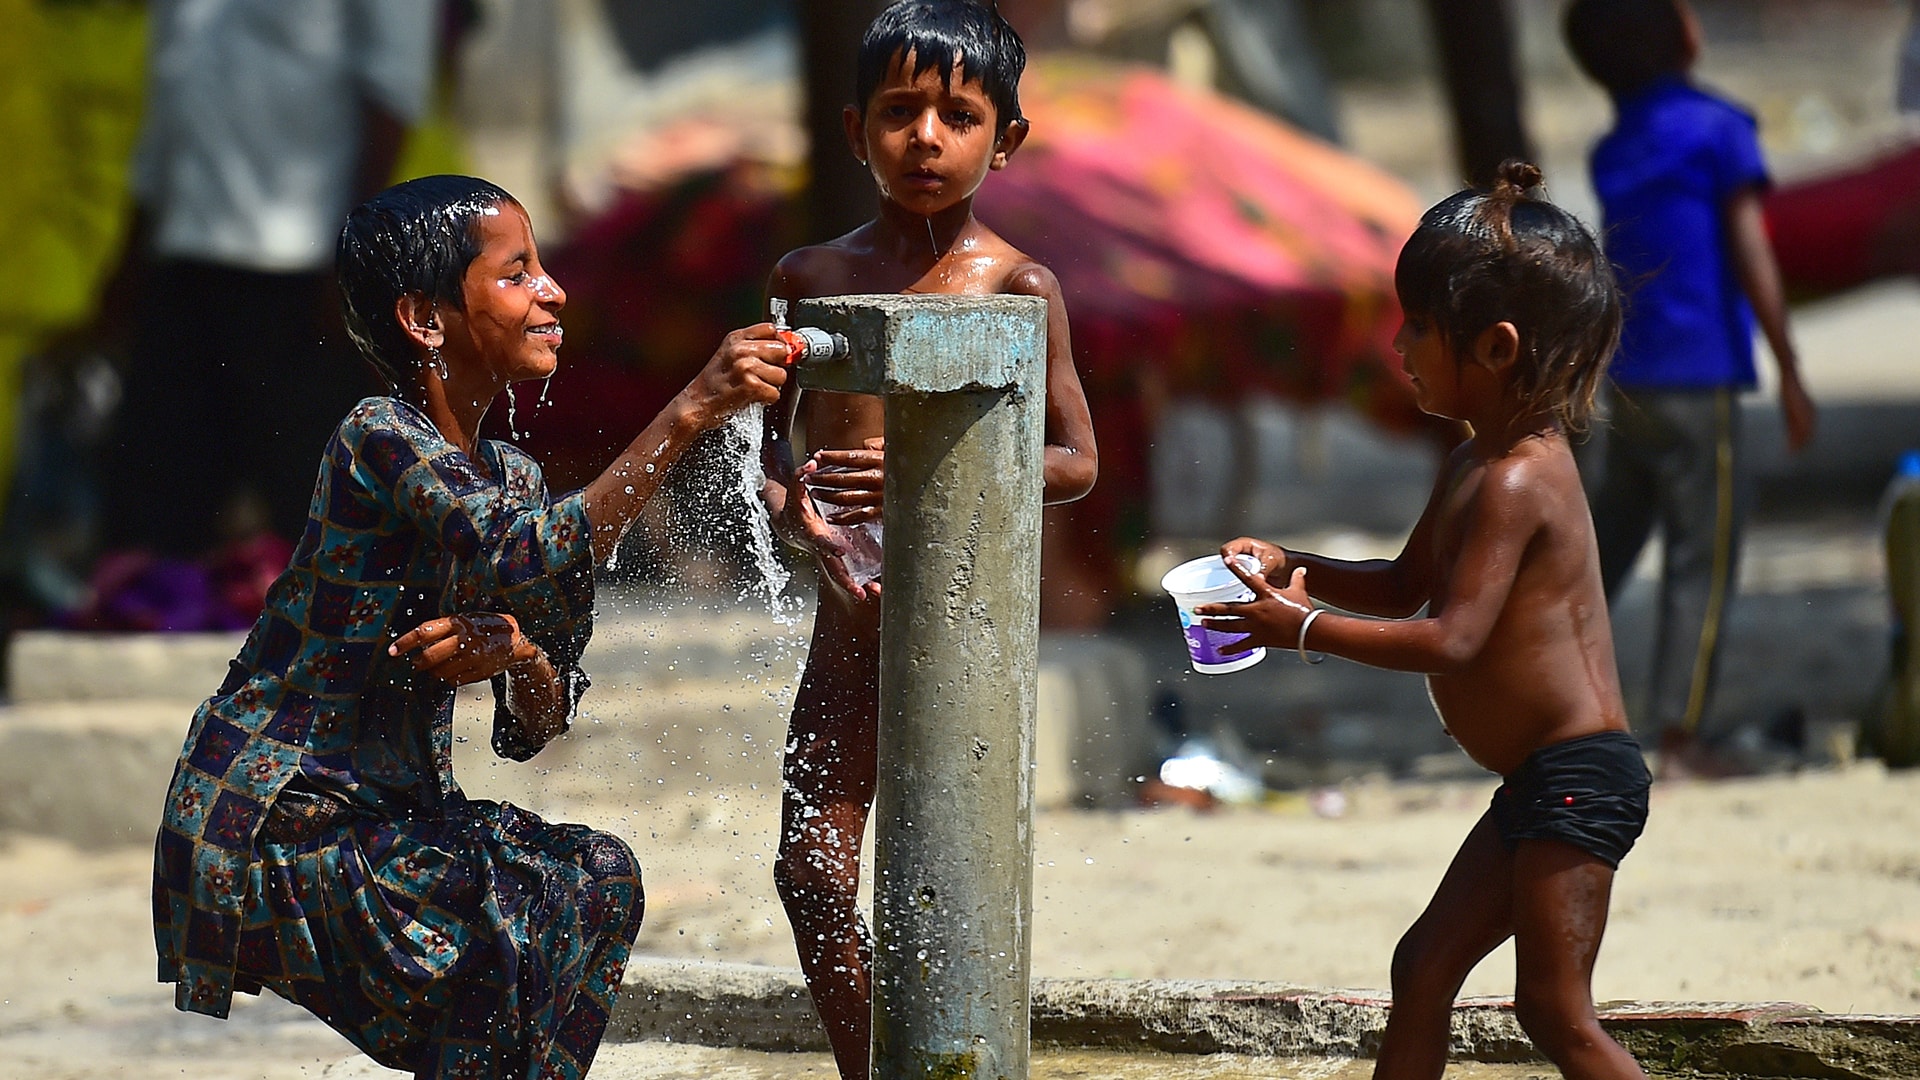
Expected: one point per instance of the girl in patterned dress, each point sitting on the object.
(314, 841)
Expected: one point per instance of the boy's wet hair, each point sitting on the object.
(1626, 44)
(413, 238)
(1485, 257)
(941, 35)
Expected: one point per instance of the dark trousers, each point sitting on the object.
(1672, 458)
(235, 381)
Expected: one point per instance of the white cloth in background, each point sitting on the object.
(252, 134)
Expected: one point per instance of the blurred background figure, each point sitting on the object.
(70, 107)
(264, 122)
(1680, 179)
(1909, 88)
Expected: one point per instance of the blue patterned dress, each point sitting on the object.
(314, 841)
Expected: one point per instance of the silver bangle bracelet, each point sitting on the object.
(1302, 648)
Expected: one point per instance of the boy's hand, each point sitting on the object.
(1271, 557)
(1272, 618)
(803, 527)
(748, 369)
(466, 648)
(853, 480)
(1797, 409)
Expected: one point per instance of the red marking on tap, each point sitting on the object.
(796, 346)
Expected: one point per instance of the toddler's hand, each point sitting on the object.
(465, 648)
(854, 480)
(1271, 557)
(1272, 618)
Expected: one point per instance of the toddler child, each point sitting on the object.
(1511, 315)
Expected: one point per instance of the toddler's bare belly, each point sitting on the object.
(1499, 726)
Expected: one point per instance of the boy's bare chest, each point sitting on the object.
(833, 420)
(953, 275)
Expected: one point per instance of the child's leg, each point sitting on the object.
(1622, 490)
(829, 777)
(1559, 905)
(1469, 915)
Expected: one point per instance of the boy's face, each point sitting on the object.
(927, 143)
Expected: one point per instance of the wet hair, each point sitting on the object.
(1626, 44)
(1482, 257)
(413, 238)
(942, 35)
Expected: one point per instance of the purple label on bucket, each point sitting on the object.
(1204, 644)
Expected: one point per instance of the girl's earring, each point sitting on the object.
(439, 363)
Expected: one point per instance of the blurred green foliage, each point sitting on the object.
(71, 73)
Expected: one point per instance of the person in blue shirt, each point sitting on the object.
(1680, 180)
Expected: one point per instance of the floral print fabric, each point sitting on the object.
(409, 897)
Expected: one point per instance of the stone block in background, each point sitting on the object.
(50, 665)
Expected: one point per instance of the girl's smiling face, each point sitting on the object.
(510, 328)
(929, 140)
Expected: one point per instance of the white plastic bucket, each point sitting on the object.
(1209, 581)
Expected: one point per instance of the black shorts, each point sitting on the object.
(1590, 792)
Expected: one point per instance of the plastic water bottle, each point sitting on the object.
(1899, 736)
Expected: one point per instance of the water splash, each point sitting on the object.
(767, 578)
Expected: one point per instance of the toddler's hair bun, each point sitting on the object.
(1515, 178)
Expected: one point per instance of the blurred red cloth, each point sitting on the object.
(1843, 229)
(1206, 239)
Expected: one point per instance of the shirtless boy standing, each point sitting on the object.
(938, 108)
(1511, 315)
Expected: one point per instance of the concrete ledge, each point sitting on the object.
(743, 1006)
(758, 1008)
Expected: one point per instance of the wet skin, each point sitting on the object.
(1518, 653)
(928, 146)
(506, 329)
(1515, 642)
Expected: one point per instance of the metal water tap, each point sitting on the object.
(805, 342)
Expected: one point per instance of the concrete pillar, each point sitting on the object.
(964, 381)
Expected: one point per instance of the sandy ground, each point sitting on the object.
(1802, 888)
